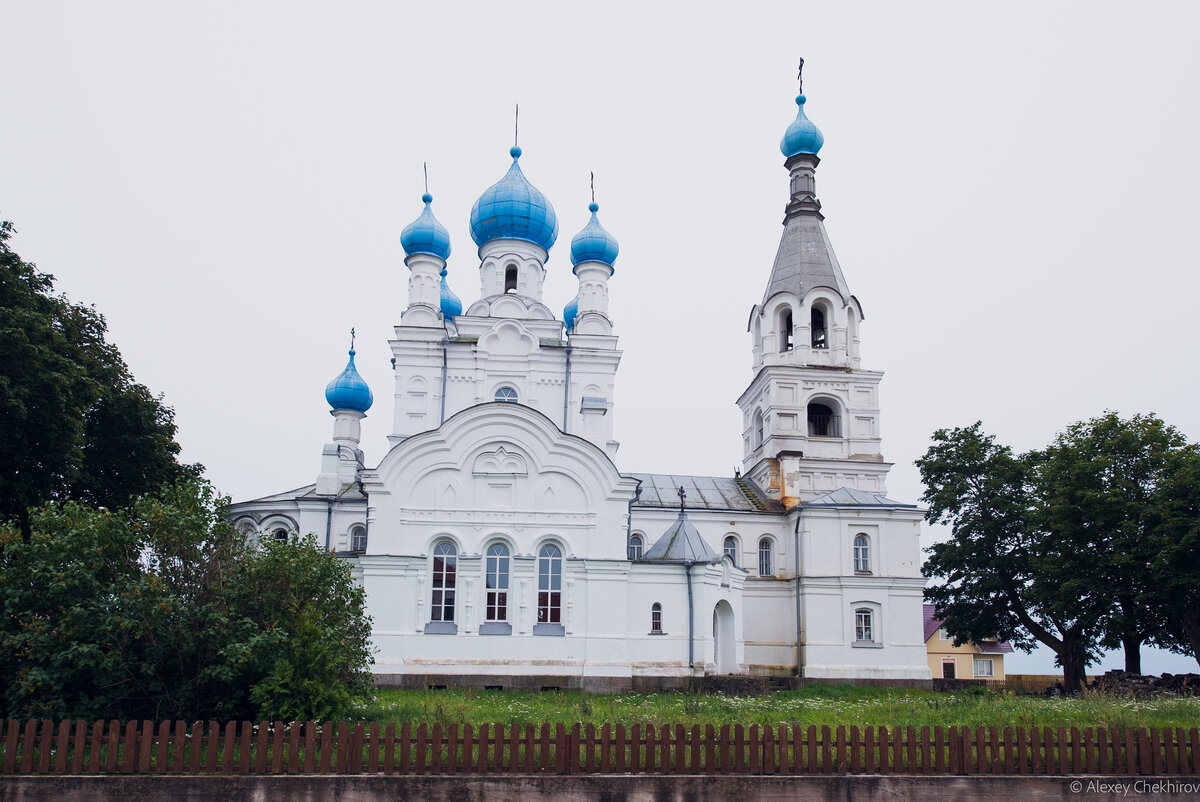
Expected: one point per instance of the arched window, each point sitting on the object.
(785, 330)
(634, 549)
(549, 585)
(497, 582)
(823, 421)
(817, 327)
(864, 625)
(510, 278)
(862, 554)
(358, 539)
(445, 568)
(280, 535)
(731, 548)
(506, 394)
(766, 555)
(758, 428)
(656, 619)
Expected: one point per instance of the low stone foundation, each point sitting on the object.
(731, 685)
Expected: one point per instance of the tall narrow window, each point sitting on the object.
(731, 548)
(634, 550)
(549, 585)
(506, 394)
(785, 331)
(497, 582)
(758, 428)
(823, 422)
(765, 557)
(510, 278)
(819, 339)
(862, 554)
(656, 619)
(864, 625)
(445, 566)
(358, 539)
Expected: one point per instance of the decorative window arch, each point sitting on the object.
(656, 624)
(766, 556)
(549, 599)
(358, 538)
(497, 579)
(506, 393)
(444, 581)
(635, 547)
(862, 554)
(759, 427)
(786, 329)
(824, 418)
(510, 278)
(730, 548)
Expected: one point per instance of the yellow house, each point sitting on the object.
(969, 661)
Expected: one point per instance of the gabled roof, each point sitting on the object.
(681, 543)
(737, 494)
(932, 624)
(849, 497)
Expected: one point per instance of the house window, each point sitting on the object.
(634, 550)
(949, 668)
(823, 422)
(358, 538)
(864, 625)
(445, 565)
(731, 548)
(280, 535)
(817, 325)
(507, 394)
(785, 330)
(982, 667)
(549, 585)
(656, 619)
(765, 557)
(497, 582)
(510, 278)
(862, 554)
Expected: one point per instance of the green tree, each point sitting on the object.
(73, 422)
(1002, 574)
(1174, 594)
(165, 611)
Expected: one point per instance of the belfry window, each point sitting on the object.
(731, 548)
(823, 422)
(549, 601)
(817, 326)
(445, 568)
(785, 331)
(506, 394)
(634, 550)
(497, 582)
(510, 278)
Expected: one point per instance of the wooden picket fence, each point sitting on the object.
(77, 747)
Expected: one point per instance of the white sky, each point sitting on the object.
(1010, 190)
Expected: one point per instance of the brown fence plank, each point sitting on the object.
(1131, 760)
(679, 746)
(619, 744)
(293, 765)
(1143, 751)
(389, 748)
(605, 745)
(1064, 752)
(912, 746)
(883, 736)
(130, 742)
(1091, 754)
(245, 734)
(227, 752)
(435, 738)
(1168, 741)
(79, 746)
(781, 744)
(812, 760)
(420, 746)
(573, 743)
(755, 766)
(114, 739)
(560, 749)
(405, 748)
(61, 747)
(650, 752)
(826, 752)
(1022, 751)
(373, 748)
(95, 747)
(856, 755)
(1194, 738)
(694, 755)
(1181, 745)
(45, 745)
(354, 753)
(261, 739)
(276, 747)
(161, 757)
(144, 751)
(897, 750)
(310, 747)
(926, 758)
(481, 739)
(840, 757)
(11, 734)
(1155, 751)
(28, 746)
(939, 750)
(544, 758)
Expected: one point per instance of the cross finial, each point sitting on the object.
(351, 338)
(425, 167)
(682, 496)
(593, 182)
(516, 121)
(800, 76)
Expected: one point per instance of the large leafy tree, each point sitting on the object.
(1174, 596)
(166, 611)
(73, 422)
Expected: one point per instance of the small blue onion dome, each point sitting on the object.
(594, 244)
(426, 234)
(348, 390)
(451, 306)
(570, 311)
(512, 208)
(801, 136)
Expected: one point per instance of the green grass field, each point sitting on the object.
(816, 704)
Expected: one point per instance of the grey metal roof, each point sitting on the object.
(681, 543)
(805, 259)
(849, 497)
(350, 491)
(738, 494)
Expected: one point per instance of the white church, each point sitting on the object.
(501, 543)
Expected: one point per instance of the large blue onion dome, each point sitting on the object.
(513, 208)
(570, 311)
(451, 306)
(426, 234)
(348, 390)
(594, 244)
(801, 136)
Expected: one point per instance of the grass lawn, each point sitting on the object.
(816, 704)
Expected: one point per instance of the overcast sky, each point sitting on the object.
(1010, 189)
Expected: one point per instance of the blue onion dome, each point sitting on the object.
(513, 208)
(451, 306)
(594, 244)
(801, 136)
(570, 311)
(426, 234)
(348, 390)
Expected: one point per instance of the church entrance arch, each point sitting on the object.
(724, 647)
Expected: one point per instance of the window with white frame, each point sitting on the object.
(634, 549)
(358, 538)
(862, 554)
(766, 557)
(982, 666)
(549, 609)
(280, 535)
(445, 568)
(497, 582)
(506, 394)
(864, 625)
(731, 548)
(656, 619)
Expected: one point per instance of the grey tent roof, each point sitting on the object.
(681, 543)
(849, 497)
(737, 494)
(805, 259)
